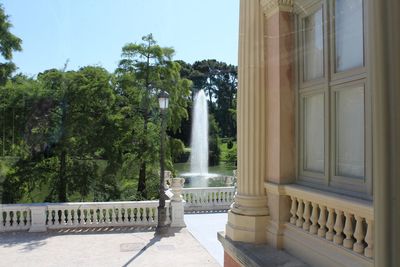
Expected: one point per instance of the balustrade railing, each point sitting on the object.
(102, 214)
(44, 216)
(346, 222)
(208, 198)
(14, 218)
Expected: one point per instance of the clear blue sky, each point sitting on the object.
(92, 32)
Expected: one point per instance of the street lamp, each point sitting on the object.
(162, 226)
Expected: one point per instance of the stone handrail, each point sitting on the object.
(345, 221)
(208, 198)
(102, 214)
(40, 217)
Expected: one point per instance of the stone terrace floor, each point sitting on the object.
(118, 246)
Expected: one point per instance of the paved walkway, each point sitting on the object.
(103, 247)
(204, 227)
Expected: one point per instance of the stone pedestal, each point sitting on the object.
(38, 216)
(177, 203)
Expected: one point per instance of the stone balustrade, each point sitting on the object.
(43, 216)
(103, 214)
(208, 198)
(346, 222)
(15, 218)
(40, 217)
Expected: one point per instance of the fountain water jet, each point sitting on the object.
(199, 142)
(198, 176)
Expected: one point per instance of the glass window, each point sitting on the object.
(349, 37)
(314, 46)
(350, 132)
(314, 133)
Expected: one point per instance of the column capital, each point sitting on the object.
(270, 7)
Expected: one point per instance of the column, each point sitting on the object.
(384, 80)
(247, 217)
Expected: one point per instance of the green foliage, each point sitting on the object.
(88, 135)
(144, 70)
(214, 143)
(229, 145)
(8, 44)
(177, 149)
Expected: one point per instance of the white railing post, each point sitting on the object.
(38, 216)
(177, 203)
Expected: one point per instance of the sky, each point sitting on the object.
(92, 32)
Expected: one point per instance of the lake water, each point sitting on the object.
(221, 170)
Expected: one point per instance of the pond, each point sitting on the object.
(219, 175)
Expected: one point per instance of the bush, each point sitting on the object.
(229, 145)
(214, 149)
(177, 149)
(231, 156)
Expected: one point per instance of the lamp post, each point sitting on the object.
(162, 227)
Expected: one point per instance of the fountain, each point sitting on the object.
(199, 174)
(199, 142)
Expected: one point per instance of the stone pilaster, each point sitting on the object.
(280, 136)
(248, 215)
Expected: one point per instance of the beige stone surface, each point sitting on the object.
(103, 247)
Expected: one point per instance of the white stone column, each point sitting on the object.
(38, 217)
(247, 217)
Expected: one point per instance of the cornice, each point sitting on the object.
(270, 7)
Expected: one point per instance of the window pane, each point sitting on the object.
(314, 46)
(349, 34)
(350, 132)
(314, 133)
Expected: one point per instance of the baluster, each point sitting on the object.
(113, 216)
(293, 210)
(86, 216)
(338, 238)
(359, 235)
(122, 215)
(348, 231)
(306, 216)
(322, 221)
(10, 222)
(7, 219)
(71, 217)
(146, 215)
(314, 219)
(156, 215)
(369, 239)
(2, 228)
(62, 218)
(330, 224)
(168, 214)
(299, 222)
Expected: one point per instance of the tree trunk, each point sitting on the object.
(62, 180)
(142, 180)
(142, 171)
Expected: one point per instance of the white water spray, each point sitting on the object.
(199, 142)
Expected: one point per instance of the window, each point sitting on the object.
(333, 100)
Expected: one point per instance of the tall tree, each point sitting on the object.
(8, 44)
(144, 70)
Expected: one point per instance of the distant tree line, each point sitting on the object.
(89, 134)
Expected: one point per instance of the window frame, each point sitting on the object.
(328, 85)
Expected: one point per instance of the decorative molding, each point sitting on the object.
(270, 7)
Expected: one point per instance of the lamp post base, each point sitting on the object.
(162, 226)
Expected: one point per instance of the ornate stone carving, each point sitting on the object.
(272, 6)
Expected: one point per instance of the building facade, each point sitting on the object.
(318, 135)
